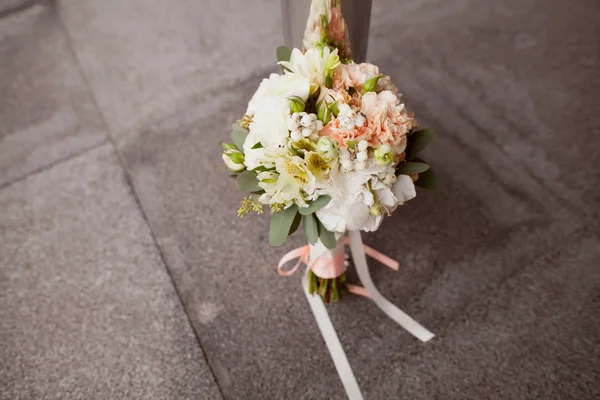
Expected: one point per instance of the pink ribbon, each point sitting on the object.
(330, 268)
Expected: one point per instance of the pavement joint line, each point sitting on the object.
(53, 164)
(19, 8)
(134, 194)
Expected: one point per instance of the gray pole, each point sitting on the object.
(357, 14)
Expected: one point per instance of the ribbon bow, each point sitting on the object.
(331, 268)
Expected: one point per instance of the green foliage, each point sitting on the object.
(283, 53)
(281, 223)
(315, 205)
(327, 237)
(248, 182)
(417, 141)
(295, 224)
(249, 204)
(411, 168)
(311, 228)
(238, 136)
(427, 180)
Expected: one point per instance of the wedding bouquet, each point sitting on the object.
(326, 144)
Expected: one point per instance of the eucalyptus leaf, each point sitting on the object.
(281, 223)
(417, 142)
(283, 53)
(295, 224)
(427, 180)
(315, 205)
(248, 182)
(311, 228)
(238, 136)
(327, 237)
(410, 168)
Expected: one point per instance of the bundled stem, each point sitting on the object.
(330, 290)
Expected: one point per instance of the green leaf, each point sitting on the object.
(248, 182)
(410, 168)
(427, 180)
(327, 237)
(311, 228)
(295, 224)
(262, 168)
(258, 145)
(238, 135)
(315, 205)
(281, 223)
(417, 142)
(283, 53)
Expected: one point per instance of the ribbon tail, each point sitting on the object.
(403, 319)
(333, 344)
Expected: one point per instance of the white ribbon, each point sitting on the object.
(327, 329)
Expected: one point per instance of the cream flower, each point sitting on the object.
(313, 65)
(294, 180)
(275, 87)
(404, 189)
(269, 126)
(353, 194)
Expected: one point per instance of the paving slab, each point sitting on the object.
(523, 73)
(8, 6)
(46, 110)
(87, 309)
(456, 245)
(535, 337)
(146, 59)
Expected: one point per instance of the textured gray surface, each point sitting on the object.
(501, 262)
(46, 111)
(145, 59)
(87, 310)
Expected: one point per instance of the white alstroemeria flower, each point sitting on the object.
(278, 86)
(314, 65)
(293, 181)
(265, 157)
(404, 189)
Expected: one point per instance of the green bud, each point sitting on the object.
(236, 157)
(323, 20)
(333, 61)
(384, 155)
(323, 112)
(327, 148)
(296, 104)
(371, 84)
(233, 158)
(335, 110)
(323, 37)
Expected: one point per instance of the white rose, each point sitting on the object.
(278, 86)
